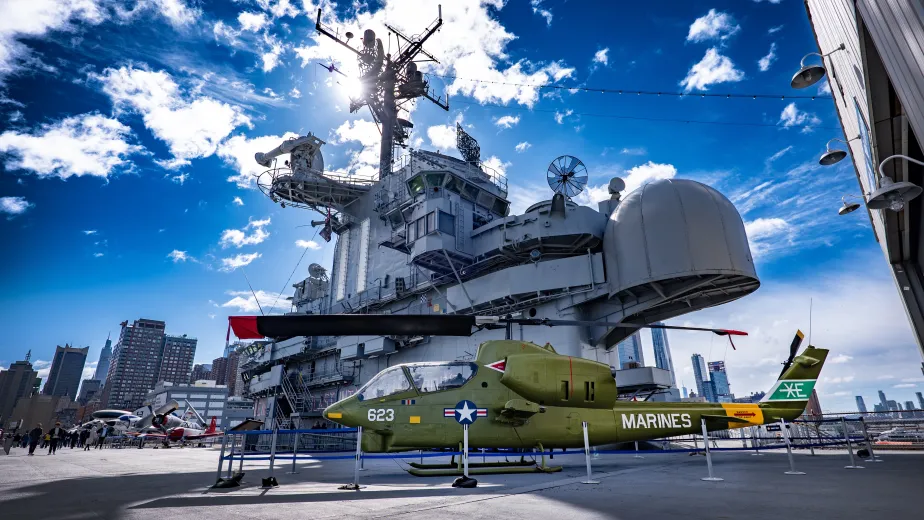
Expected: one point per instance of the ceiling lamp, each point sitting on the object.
(833, 156)
(893, 195)
(808, 75)
(848, 207)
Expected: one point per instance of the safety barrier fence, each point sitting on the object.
(787, 435)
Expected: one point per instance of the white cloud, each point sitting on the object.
(273, 50)
(244, 301)
(645, 173)
(545, 13)
(601, 56)
(471, 44)
(97, 255)
(191, 125)
(633, 151)
(712, 26)
(560, 116)
(494, 163)
(179, 256)
(522, 147)
(442, 137)
(177, 12)
(238, 151)
(768, 1)
(363, 163)
(905, 385)
(592, 195)
(282, 8)
(241, 260)
(840, 358)
(179, 179)
(309, 244)
(14, 205)
(237, 201)
(88, 144)
(713, 68)
(89, 232)
(765, 62)
(791, 116)
(775, 29)
(32, 20)
(295, 93)
(252, 22)
(507, 121)
(824, 87)
(240, 238)
(779, 154)
(767, 234)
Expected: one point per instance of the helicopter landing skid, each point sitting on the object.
(453, 469)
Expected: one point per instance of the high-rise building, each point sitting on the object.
(861, 405)
(920, 400)
(233, 378)
(200, 372)
(813, 407)
(220, 371)
(135, 364)
(177, 359)
(909, 407)
(102, 365)
(629, 351)
(700, 374)
(719, 378)
(89, 390)
(662, 352)
(882, 400)
(19, 381)
(66, 371)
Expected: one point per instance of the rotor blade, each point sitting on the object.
(167, 408)
(255, 327)
(793, 349)
(586, 323)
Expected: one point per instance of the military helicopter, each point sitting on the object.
(517, 394)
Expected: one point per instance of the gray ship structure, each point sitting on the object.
(434, 234)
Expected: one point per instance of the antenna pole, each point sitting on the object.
(810, 321)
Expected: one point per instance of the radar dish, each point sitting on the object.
(567, 175)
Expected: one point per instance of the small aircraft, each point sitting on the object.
(172, 428)
(517, 394)
(331, 68)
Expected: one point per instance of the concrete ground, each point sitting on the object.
(166, 484)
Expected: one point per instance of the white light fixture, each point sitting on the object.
(808, 75)
(893, 195)
(848, 207)
(833, 156)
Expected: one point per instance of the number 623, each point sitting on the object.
(381, 414)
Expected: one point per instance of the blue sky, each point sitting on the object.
(127, 131)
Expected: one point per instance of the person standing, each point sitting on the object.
(102, 437)
(34, 436)
(82, 440)
(90, 440)
(55, 436)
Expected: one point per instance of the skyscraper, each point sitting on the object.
(220, 370)
(177, 359)
(861, 405)
(920, 400)
(883, 401)
(719, 378)
(102, 365)
(909, 405)
(135, 364)
(66, 371)
(200, 372)
(662, 352)
(629, 350)
(18, 381)
(88, 391)
(700, 374)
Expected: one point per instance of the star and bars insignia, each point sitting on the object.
(466, 412)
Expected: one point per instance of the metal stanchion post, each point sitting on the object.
(356, 459)
(711, 477)
(869, 443)
(637, 456)
(849, 447)
(270, 481)
(754, 439)
(231, 457)
(240, 468)
(221, 456)
(792, 463)
(294, 453)
(465, 450)
(809, 437)
(587, 455)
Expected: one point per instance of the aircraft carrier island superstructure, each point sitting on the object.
(434, 234)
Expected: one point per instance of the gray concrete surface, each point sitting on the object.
(166, 484)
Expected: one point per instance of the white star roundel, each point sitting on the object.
(466, 412)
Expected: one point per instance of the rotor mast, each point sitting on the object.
(387, 83)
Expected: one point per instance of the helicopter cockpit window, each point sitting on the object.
(435, 377)
(388, 382)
